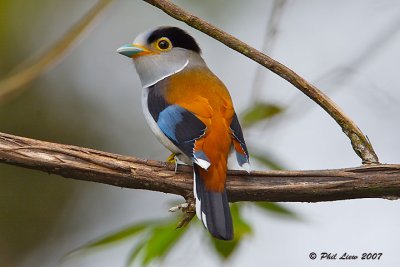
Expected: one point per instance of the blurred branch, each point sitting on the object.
(371, 181)
(271, 30)
(345, 73)
(16, 82)
(359, 142)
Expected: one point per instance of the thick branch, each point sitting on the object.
(375, 181)
(360, 143)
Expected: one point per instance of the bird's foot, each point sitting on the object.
(172, 159)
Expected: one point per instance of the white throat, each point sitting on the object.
(154, 68)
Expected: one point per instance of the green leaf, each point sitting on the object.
(112, 238)
(259, 112)
(118, 235)
(276, 208)
(133, 256)
(267, 161)
(242, 228)
(158, 243)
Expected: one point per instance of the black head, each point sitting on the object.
(177, 36)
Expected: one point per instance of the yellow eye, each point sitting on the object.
(163, 44)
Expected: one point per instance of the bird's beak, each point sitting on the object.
(133, 50)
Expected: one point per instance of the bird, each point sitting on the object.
(191, 113)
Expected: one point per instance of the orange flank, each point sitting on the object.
(202, 93)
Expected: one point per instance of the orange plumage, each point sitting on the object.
(202, 93)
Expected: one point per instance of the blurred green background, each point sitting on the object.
(92, 99)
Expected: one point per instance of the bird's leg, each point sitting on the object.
(172, 159)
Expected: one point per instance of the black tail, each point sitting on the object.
(212, 208)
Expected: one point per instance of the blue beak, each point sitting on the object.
(132, 50)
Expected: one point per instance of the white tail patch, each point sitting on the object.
(199, 213)
(204, 220)
(198, 201)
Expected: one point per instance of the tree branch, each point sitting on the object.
(374, 181)
(13, 84)
(359, 142)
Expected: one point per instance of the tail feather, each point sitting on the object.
(212, 208)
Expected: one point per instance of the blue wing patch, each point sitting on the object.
(169, 119)
(182, 127)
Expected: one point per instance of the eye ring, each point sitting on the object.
(163, 44)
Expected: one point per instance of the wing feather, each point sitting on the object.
(242, 155)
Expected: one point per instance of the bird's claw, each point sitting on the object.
(172, 159)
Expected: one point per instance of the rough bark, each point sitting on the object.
(371, 181)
